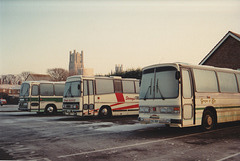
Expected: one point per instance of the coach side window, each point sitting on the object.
(205, 80)
(137, 86)
(118, 86)
(104, 86)
(35, 90)
(85, 88)
(238, 78)
(59, 89)
(187, 89)
(227, 82)
(46, 89)
(128, 86)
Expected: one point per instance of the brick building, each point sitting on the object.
(10, 93)
(11, 90)
(226, 54)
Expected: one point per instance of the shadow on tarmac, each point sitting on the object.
(131, 119)
(166, 132)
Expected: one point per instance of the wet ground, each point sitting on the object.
(28, 136)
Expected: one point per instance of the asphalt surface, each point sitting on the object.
(28, 136)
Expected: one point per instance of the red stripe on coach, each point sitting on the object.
(126, 107)
(116, 104)
(120, 97)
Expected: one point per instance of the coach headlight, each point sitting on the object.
(144, 109)
(170, 110)
(75, 106)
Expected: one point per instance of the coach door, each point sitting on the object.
(88, 97)
(35, 100)
(187, 98)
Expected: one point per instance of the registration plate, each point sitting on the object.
(154, 121)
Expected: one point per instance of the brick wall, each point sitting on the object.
(227, 55)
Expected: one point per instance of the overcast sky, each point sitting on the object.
(36, 35)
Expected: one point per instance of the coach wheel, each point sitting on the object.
(208, 122)
(50, 109)
(105, 112)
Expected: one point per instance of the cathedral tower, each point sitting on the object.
(76, 64)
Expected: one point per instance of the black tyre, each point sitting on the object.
(105, 112)
(208, 121)
(50, 110)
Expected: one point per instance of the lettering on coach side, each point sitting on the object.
(213, 101)
(69, 100)
(129, 98)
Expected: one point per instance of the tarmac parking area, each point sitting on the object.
(28, 136)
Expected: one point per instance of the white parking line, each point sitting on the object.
(67, 137)
(137, 144)
(36, 159)
(230, 156)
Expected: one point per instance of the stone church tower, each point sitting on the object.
(76, 64)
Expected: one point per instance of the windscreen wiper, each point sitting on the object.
(69, 91)
(25, 92)
(150, 87)
(158, 90)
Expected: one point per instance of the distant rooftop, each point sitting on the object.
(38, 77)
(238, 35)
(9, 86)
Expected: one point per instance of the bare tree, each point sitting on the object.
(10, 79)
(24, 75)
(4, 79)
(58, 74)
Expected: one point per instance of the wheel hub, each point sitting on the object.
(104, 111)
(50, 109)
(209, 120)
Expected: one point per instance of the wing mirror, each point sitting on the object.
(177, 75)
